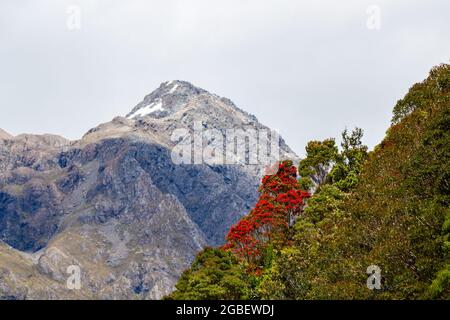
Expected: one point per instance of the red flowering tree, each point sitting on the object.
(280, 201)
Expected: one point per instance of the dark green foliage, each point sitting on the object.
(215, 274)
(440, 287)
(328, 199)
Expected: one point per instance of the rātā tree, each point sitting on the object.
(280, 202)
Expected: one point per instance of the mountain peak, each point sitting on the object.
(168, 98)
(173, 86)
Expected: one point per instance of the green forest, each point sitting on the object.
(320, 225)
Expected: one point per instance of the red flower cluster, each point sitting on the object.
(280, 201)
(293, 199)
(283, 181)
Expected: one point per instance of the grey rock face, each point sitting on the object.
(115, 204)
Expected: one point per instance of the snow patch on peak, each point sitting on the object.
(171, 86)
(151, 108)
(173, 89)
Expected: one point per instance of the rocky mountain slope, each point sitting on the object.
(115, 203)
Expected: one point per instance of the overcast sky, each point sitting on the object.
(306, 68)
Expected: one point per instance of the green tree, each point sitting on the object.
(320, 157)
(215, 274)
(422, 95)
(348, 163)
